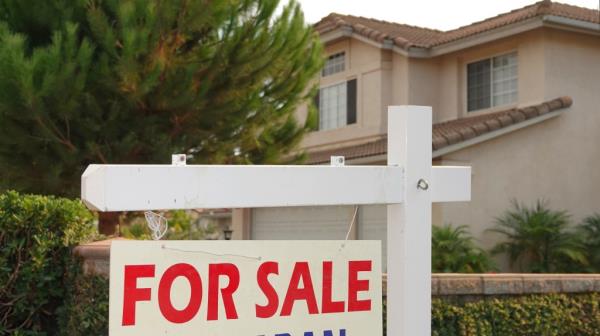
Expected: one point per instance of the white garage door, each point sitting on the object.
(319, 223)
(372, 225)
(301, 223)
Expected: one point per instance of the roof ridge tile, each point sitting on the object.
(512, 11)
(405, 35)
(396, 23)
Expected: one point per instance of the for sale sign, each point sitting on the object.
(270, 288)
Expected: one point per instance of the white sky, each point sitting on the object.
(438, 14)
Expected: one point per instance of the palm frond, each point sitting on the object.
(538, 238)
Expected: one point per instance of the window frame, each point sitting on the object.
(351, 103)
(490, 58)
(319, 109)
(332, 57)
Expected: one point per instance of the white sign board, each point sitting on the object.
(270, 288)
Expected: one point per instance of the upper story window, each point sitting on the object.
(334, 64)
(337, 105)
(492, 82)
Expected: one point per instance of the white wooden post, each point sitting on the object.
(409, 224)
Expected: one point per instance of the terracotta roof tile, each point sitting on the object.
(406, 36)
(450, 132)
(400, 34)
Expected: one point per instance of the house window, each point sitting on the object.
(492, 82)
(337, 105)
(334, 64)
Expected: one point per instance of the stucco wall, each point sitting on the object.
(370, 66)
(389, 78)
(557, 160)
(424, 84)
(441, 82)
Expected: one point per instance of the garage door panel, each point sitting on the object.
(301, 223)
(320, 223)
(373, 226)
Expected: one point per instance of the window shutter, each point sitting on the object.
(318, 114)
(351, 102)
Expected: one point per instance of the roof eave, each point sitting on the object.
(459, 134)
(552, 21)
(336, 34)
(347, 32)
(494, 134)
(423, 52)
(574, 25)
(463, 144)
(487, 36)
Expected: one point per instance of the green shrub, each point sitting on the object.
(454, 251)
(85, 309)
(590, 234)
(538, 240)
(181, 227)
(36, 236)
(544, 315)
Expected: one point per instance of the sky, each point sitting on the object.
(437, 14)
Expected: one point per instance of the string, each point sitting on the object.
(349, 228)
(211, 253)
(352, 222)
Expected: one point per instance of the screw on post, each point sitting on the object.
(178, 159)
(338, 161)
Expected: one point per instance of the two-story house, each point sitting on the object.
(516, 96)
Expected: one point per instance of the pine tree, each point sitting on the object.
(133, 81)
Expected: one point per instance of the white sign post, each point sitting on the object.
(408, 185)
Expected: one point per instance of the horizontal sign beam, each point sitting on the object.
(450, 184)
(157, 187)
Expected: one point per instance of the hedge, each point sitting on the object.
(36, 237)
(533, 315)
(85, 312)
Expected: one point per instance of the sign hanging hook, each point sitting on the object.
(423, 184)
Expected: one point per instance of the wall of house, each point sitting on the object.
(368, 64)
(441, 82)
(556, 160)
(424, 84)
(390, 78)
(450, 88)
(400, 80)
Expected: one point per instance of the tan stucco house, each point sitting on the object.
(516, 96)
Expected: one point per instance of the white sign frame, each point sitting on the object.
(407, 185)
